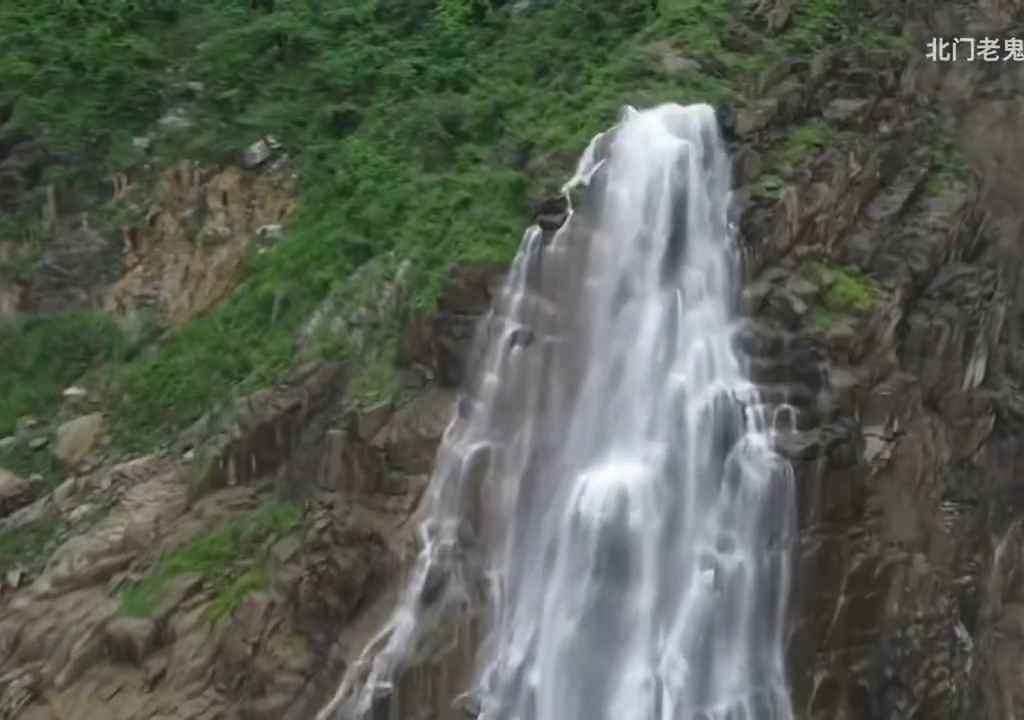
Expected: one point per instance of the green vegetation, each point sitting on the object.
(948, 163)
(421, 129)
(43, 354)
(229, 559)
(851, 291)
(376, 379)
(791, 150)
(814, 20)
(822, 318)
(85, 73)
(26, 545)
(804, 139)
(845, 291)
(23, 460)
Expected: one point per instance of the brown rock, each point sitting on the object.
(751, 120)
(225, 209)
(15, 492)
(844, 110)
(370, 421)
(131, 640)
(176, 593)
(77, 438)
(746, 166)
(410, 439)
(266, 429)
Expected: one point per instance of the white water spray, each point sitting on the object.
(607, 496)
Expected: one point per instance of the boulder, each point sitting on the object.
(77, 438)
(130, 639)
(15, 492)
(552, 213)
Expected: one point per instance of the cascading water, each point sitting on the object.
(607, 493)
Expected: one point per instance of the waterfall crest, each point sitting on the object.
(607, 499)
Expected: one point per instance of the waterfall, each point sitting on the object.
(607, 499)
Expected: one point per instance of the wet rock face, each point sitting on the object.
(444, 341)
(908, 446)
(260, 433)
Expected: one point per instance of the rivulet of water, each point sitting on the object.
(607, 497)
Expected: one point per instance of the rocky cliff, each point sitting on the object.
(239, 570)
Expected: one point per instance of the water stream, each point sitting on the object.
(606, 499)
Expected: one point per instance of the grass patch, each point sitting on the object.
(803, 140)
(790, 151)
(233, 593)
(814, 24)
(847, 290)
(229, 559)
(944, 154)
(24, 461)
(376, 379)
(852, 290)
(26, 545)
(43, 354)
(822, 318)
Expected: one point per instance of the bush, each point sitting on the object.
(43, 354)
(401, 117)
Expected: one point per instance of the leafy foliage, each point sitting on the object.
(43, 354)
(421, 128)
(82, 71)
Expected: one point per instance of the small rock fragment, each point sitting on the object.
(80, 512)
(845, 109)
(801, 287)
(64, 492)
(15, 492)
(271, 232)
(176, 119)
(256, 154)
(14, 577)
